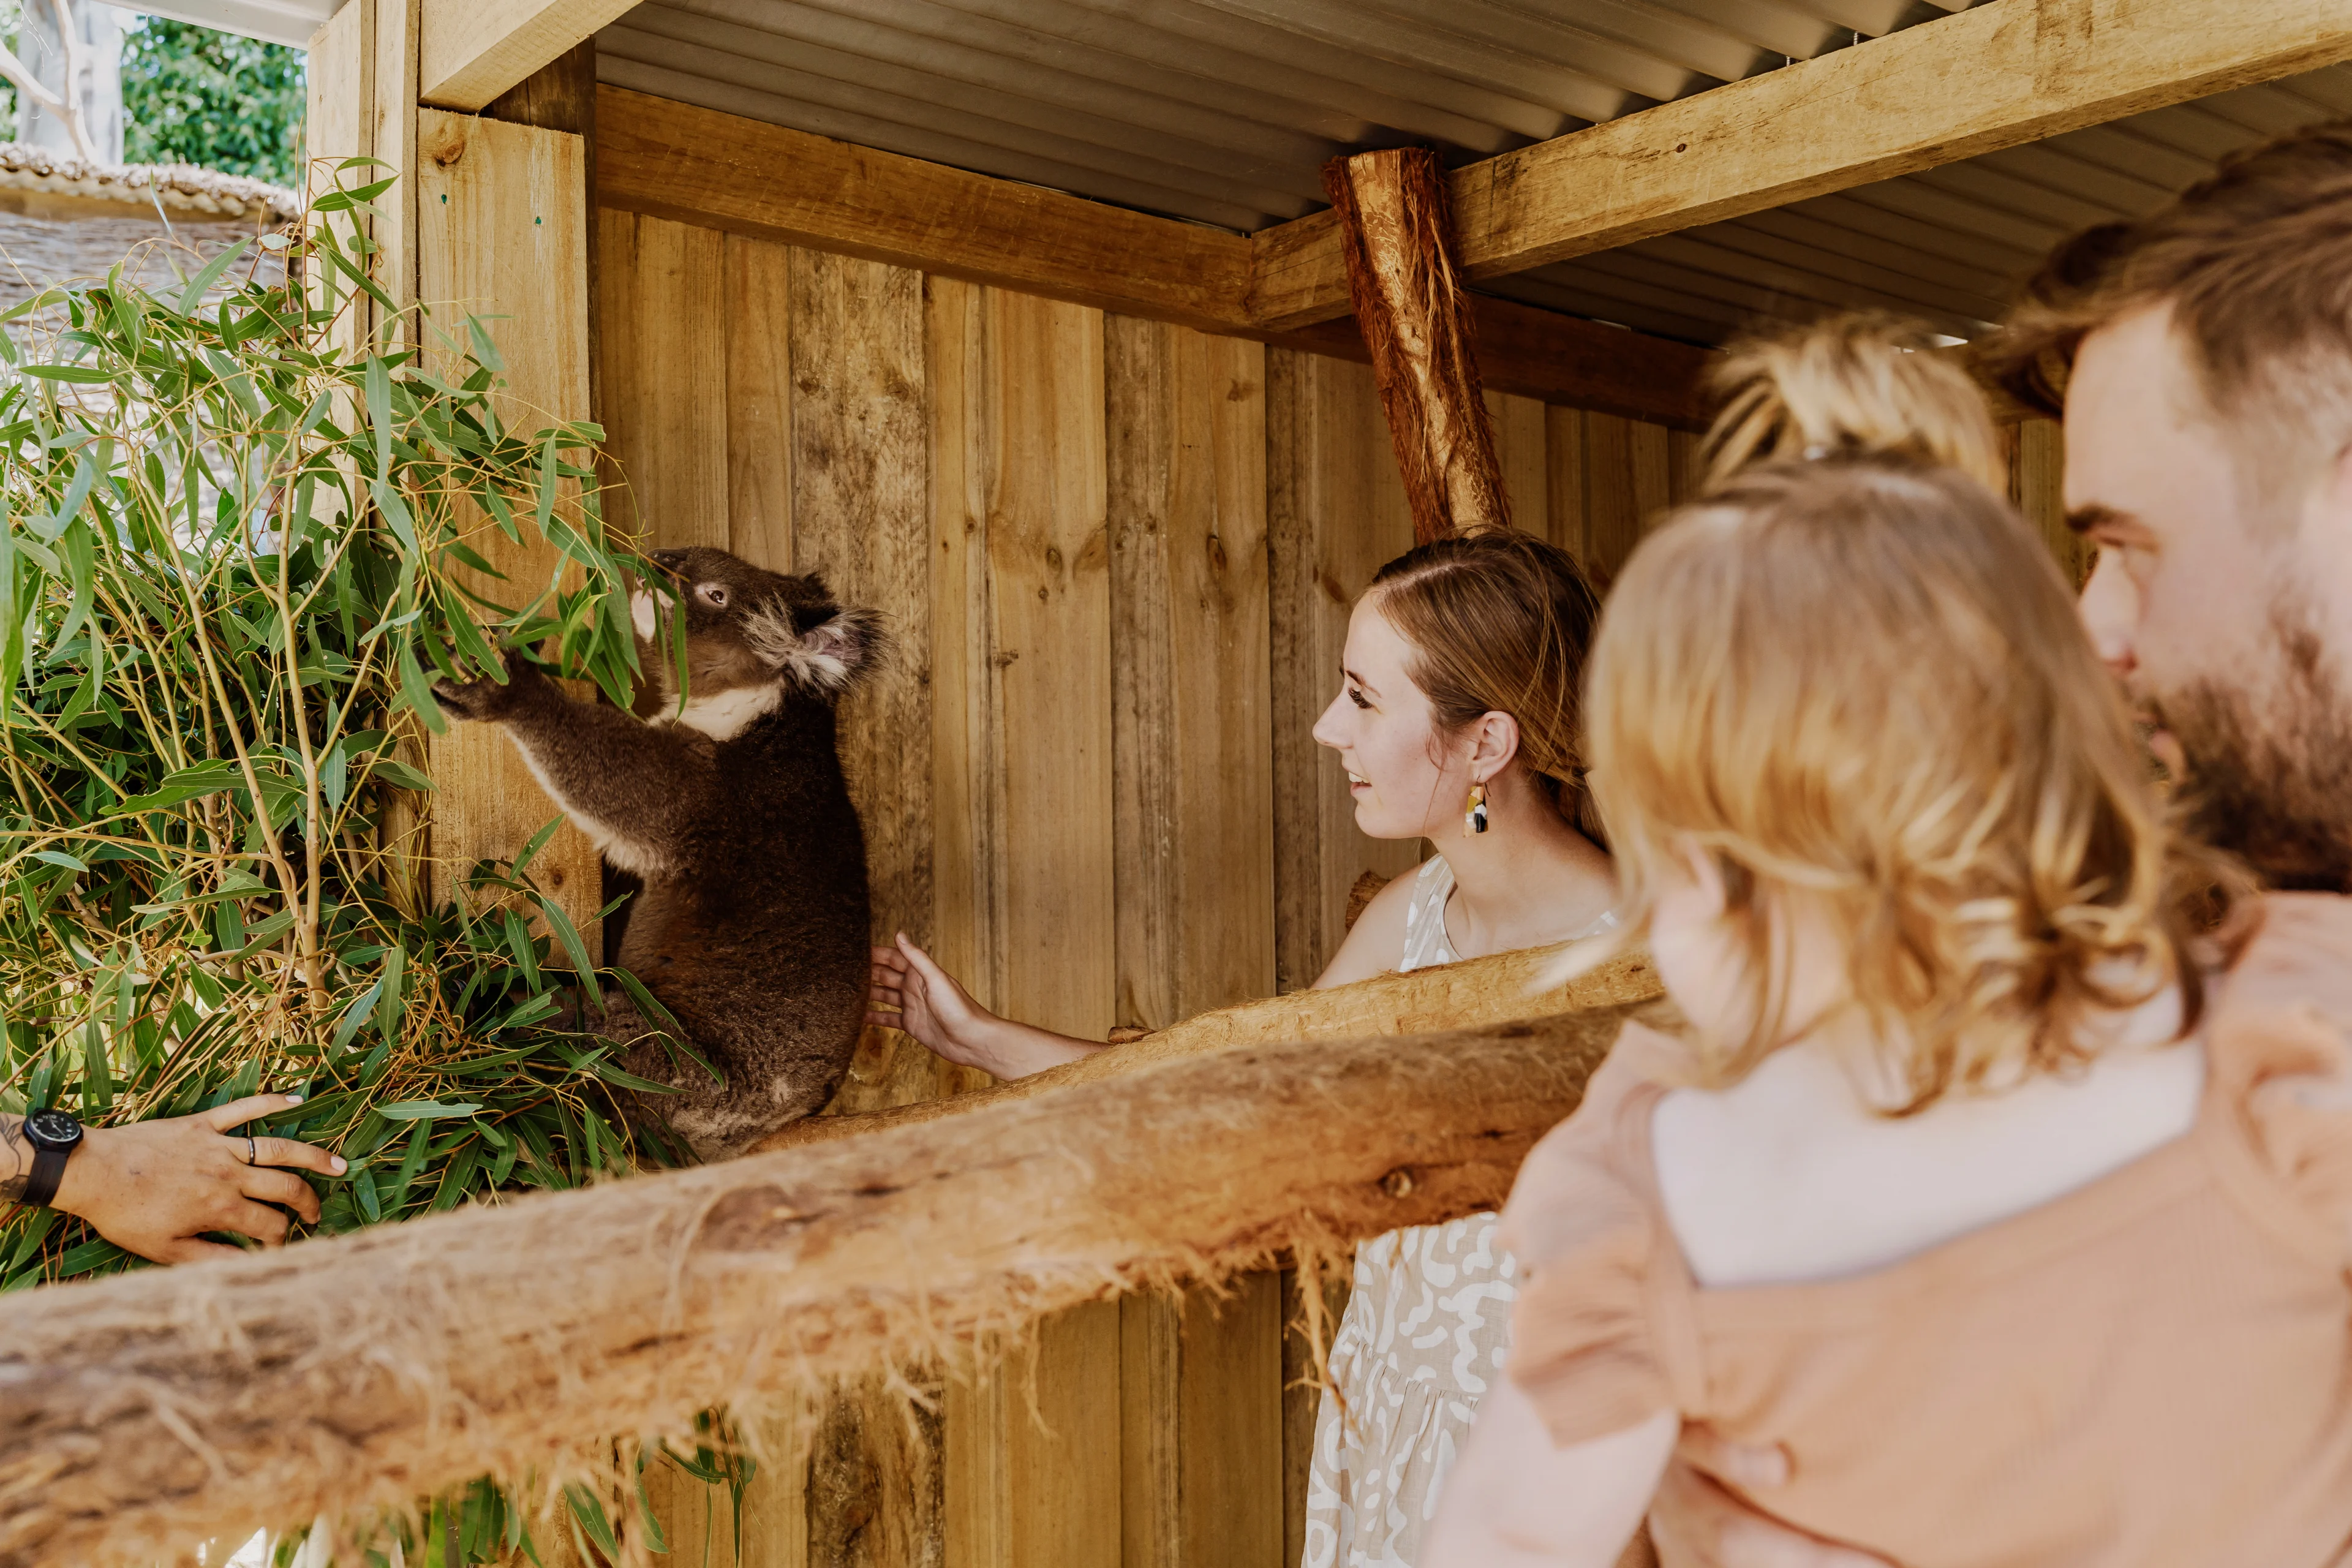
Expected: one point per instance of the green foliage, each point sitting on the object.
(229, 571)
(192, 95)
(237, 545)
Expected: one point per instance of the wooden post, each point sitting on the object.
(1415, 318)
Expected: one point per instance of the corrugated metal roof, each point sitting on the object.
(1223, 112)
(1946, 245)
(1219, 110)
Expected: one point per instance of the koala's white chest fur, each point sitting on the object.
(726, 714)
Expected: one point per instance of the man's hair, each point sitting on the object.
(2255, 263)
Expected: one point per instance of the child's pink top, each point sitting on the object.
(2152, 1370)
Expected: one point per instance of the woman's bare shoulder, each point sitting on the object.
(1376, 945)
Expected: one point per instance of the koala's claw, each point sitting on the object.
(475, 699)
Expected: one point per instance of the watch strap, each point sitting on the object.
(49, 1170)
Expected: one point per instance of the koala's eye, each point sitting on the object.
(711, 594)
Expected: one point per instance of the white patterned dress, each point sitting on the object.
(1427, 1325)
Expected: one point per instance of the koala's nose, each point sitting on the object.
(670, 560)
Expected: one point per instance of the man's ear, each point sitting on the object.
(827, 659)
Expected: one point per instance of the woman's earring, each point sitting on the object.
(1473, 816)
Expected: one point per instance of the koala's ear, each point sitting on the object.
(827, 659)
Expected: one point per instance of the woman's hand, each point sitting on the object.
(912, 992)
(1695, 1523)
(155, 1187)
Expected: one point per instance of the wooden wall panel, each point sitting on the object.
(1021, 607)
(1628, 478)
(1610, 477)
(2037, 483)
(504, 230)
(1522, 449)
(1193, 845)
(664, 343)
(1194, 831)
(1118, 559)
(1335, 512)
(759, 404)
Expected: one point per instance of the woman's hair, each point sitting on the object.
(1848, 384)
(1500, 622)
(1859, 681)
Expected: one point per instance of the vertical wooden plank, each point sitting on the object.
(1194, 856)
(504, 230)
(1564, 457)
(561, 96)
(1019, 505)
(1192, 736)
(854, 407)
(1653, 454)
(338, 125)
(1049, 555)
(393, 137)
(2037, 485)
(966, 827)
(1682, 466)
(664, 293)
(1334, 514)
(759, 409)
(1520, 452)
(1629, 477)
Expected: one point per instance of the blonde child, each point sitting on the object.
(1961, 1190)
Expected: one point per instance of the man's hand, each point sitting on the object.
(1694, 1523)
(154, 1187)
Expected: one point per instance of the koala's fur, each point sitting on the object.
(733, 814)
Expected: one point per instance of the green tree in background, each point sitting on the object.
(191, 95)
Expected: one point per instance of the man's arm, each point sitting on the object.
(155, 1187)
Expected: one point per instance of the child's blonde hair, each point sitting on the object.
(1850, 383)
(1860, 679)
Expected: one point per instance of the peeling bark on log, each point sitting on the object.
(155, 1410)
(1414, 316)
(1491, 990)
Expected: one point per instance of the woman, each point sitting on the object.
(1457, 721)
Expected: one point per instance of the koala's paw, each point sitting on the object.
(483, 700)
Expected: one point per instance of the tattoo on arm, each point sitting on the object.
(15, 1160)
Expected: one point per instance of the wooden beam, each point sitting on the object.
(1480, 990)
(158, 1408)
(470, 51)
(2003, 74)
(721, 171)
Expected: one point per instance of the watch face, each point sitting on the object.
(52, 1130)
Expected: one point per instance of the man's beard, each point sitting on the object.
(2280, 799)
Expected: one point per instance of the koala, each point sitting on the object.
(731, 812)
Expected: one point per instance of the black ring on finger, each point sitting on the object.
(252, 1154)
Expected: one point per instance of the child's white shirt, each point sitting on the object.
(1790, 1177)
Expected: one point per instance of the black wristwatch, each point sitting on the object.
(54, 1136)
